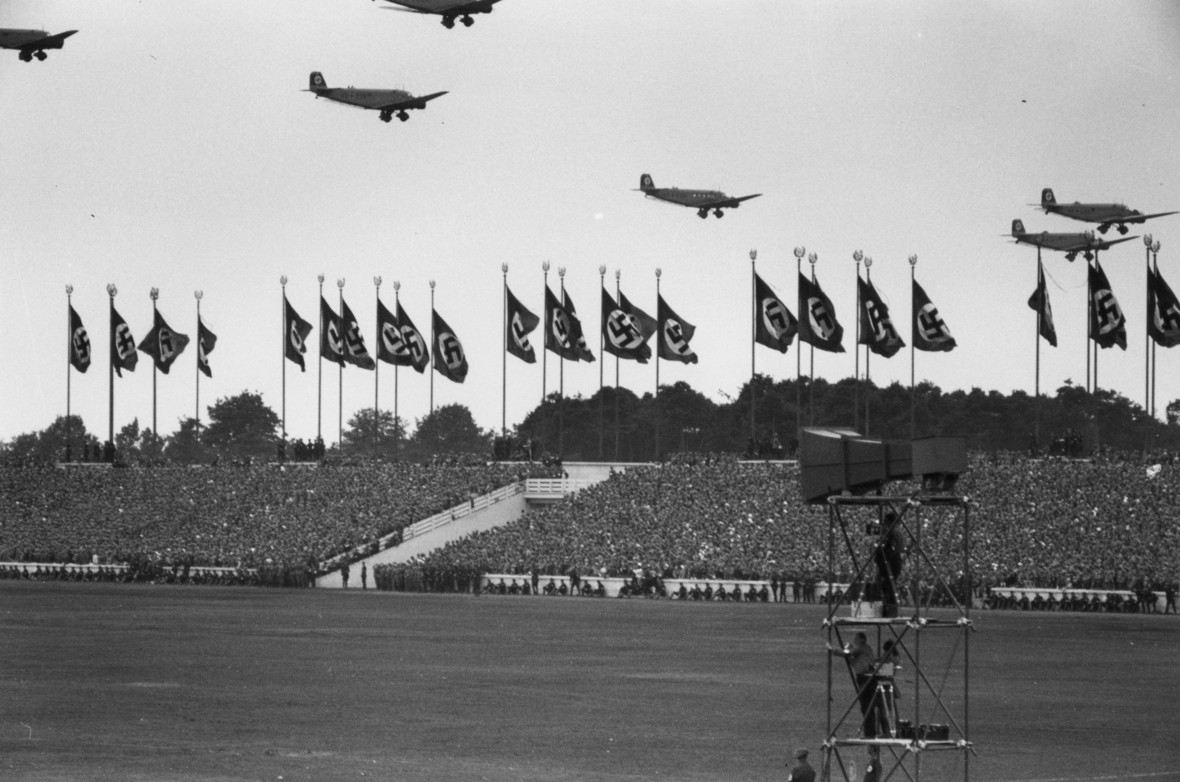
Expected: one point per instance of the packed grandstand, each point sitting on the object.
(1105, 523)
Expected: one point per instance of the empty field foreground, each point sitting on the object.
(117, 682)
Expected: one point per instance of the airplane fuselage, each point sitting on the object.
(687, 197)
(365, 99)
(1096, 213)
(31, 43)
(449, 10)
(15, 39)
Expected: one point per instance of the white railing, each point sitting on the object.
(555, 487)
(444, 518)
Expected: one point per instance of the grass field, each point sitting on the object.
(132, 682)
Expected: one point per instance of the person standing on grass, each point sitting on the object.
(364, 576)
(802, 772)
(344, 574)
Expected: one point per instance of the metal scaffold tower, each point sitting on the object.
(899, 638)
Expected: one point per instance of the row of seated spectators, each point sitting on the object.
(1143, 601)
(249, 516)
(126, 575)
(1048, 522)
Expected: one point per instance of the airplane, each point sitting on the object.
(701, 200)
(1070, 244)
(385, 101)
(1105, 215)
(32, 43)
(449, 10)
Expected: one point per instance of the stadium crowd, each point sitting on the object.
(251, 516)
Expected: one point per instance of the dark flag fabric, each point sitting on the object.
(331, 334)
(520, 324)
(1164, 309)
(123, 355)
(419, 355)
(559, 337)
(163, 344)
(355, 352)
(580, 346)
(79, 342)
(1108, 325)
(775, 326)
(294, 335)
(206, 341)
(674, 335)
(624, 333)
(449, 359)
(817, 318)
(876, 327)
(930, 332)
(1039, 302)
(391, 348)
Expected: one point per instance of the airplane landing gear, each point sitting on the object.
(403, 116)
(702, 213)
(1089, 256)
(448, 22)
(1104, 228)
(41, 57)
(386, 116)
(467, 21)
(719, 213)
(1070, 256)
(26, 56)
(1123, 230)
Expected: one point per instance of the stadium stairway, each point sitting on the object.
(482, 513)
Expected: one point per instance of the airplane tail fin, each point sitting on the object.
(316, 82)
(1018, 227)
(1047, 197)
(645, 182)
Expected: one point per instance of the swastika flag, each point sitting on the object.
(123, 355)
(206, 341)
(674, 334)
(929, 331)
(163, 344)
(331, 334)
(626, 329)
(355, 352)
(1163, 311)
(1039, 302)
(876, 327)
(79, 342)
(1108, 325)
(584, 352)
(419, 355)
(449, 359)
(295, 331)
(817, 318)
(521, 323)
(559, 332)
(775, 326)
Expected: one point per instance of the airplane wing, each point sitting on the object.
(1106, 244)
(730, 202)
(51, 42)
(1141, 218)
(410, 103)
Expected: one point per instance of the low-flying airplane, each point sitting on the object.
(32, 43)
(449, 10)
(1070, 244)
(385, 101)
(701, 200)
(1105, 215)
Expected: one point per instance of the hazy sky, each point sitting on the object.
(168, 145)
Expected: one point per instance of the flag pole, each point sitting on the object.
(283, 355)
(544, 351)
(1089, 314)
(753, 336)
(376, 372)
(618, 289)
(155, 294)
(198, 295)
(504, 359)
(1155, 257)
(340, 376)
(812, 259)
(112, 291)
(432, 347)
(913, 401)
(868, 353)
(799, 253)
(857, 256)
(397, 286)
(1147, 330)
(319, 408)
(659, 337)
(561, 380)
(1037, 340)
(69, 355)
(1096, 268)
(602, 285)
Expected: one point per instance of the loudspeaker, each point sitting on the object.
(832, 461)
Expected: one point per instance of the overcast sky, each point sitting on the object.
(169, 145)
